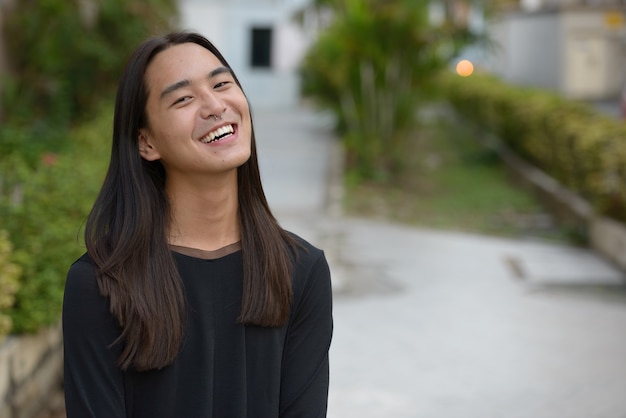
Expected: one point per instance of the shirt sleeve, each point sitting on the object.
(94, 385)
(305, 374)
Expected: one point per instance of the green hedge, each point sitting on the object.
(571, 141)
(9, 275)
(50, 169)
(45, 223)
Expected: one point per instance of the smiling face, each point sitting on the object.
(198, 117)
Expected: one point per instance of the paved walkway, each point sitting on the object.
(437, 324)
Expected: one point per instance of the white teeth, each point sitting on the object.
(218, 133)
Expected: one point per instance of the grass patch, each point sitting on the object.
(450, 181)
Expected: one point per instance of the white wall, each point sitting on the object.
(529, 50)
(574, 52)
(228, 25)
(594, 55)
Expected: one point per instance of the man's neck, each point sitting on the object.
(204, 216)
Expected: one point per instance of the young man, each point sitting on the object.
(191, 300)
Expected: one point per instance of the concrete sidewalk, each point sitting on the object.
(440, 324)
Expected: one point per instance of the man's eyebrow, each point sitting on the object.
(173, 87)
(220, 70)
(185, 83)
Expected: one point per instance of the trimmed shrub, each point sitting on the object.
(9, 274)
(580, 147)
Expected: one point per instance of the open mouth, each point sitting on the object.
(219, 133)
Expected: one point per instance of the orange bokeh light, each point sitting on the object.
(464, 68)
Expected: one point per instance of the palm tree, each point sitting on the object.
(373, 66)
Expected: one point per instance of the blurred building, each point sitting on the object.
(575, 47)
(261, 40)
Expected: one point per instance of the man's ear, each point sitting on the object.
(146, 149)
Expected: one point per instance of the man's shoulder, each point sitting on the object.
(82, 273)
(309, 259)
(81, 263)
(304, 249)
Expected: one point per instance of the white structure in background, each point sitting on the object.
(574, 48)
(259, 39)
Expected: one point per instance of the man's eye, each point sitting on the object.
(183, 99)
(221, 84)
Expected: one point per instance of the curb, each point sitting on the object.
(606, 236)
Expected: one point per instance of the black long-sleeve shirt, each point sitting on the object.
(224, 369)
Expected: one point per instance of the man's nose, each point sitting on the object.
(212, 106)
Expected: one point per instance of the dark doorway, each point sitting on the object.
(261, 52)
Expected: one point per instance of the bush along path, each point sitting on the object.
(450, 180)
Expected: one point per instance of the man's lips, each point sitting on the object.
(218, 133)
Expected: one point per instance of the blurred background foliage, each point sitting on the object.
(379, 64)
(9, 274)
(63, 56)
(63, 60)
(55, 198)
(575, 144)
(372, 67)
